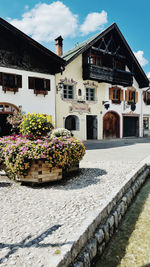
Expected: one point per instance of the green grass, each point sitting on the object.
(130, 246)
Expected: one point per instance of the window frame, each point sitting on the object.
(116, 95)
(94, 60)
(5, 81)
(88, 94)
(66, 92)
(46, 85)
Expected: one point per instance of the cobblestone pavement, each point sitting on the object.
(35, 222)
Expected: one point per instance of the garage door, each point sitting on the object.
(130, 126)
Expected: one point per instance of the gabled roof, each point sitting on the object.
(77, 49)
(139, 74)
(32, 43)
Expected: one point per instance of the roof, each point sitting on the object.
(72, 52)
(31, 42)
(79, 49)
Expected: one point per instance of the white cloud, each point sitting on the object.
(139, 55)
(148, 75)
(93, 22)
(45, 22)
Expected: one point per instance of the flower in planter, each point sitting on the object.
(36, 125)
(59, 152)
(60, 132)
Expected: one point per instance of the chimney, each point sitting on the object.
(59, 46)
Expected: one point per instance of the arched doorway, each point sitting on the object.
(72, 123)
(111, 125)
(5, 110)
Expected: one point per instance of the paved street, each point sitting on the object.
(134, 149)
(38, 222)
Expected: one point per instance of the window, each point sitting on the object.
(72, 123)
(91, 59)
(90, 94)
(131, 96)
(7, 108)
(146, 123)
(68, 91)
(95, 60)
(116, 94)
(40, 85)
(10, 81)
(79, 92)
(146, 98)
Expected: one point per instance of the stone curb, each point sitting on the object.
(99, 226)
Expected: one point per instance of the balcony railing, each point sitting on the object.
(103, 74)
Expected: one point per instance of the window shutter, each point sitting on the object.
(111, 93)
(127, 95)
(1, 78)
(31, 82)
(121, 95)
(48, 88)
(19, 81)
(136, 97)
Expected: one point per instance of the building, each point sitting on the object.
(27, 75)
(146, 112)
(99, 94)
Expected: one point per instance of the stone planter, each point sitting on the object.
(40, 172)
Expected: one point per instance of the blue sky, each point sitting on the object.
(77, 20)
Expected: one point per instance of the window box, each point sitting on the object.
(8, 89)
(39, 85)
(116, 101)
(40, 92)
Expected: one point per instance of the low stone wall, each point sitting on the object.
(98, 230)
(111, 218)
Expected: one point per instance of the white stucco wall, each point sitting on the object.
(74, 71)
(26, 97)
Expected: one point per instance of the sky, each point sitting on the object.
(77, 20)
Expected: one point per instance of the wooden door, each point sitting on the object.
(111, 123)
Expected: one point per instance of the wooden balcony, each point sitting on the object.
(103, 74)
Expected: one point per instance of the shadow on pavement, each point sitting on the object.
(75, 180)
(28, 243)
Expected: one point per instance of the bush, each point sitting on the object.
(19, 152)
(35, 125)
